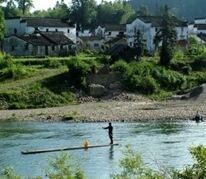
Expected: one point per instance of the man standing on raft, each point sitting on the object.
(110, 132)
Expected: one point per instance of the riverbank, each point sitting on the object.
(140, 109)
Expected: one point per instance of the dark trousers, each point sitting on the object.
(111, 138)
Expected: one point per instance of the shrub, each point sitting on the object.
(198, 169)
(120, 66)
(5, 60)
(79, 69)
(133, 167)
(52, 63)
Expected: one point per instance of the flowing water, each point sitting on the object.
(160, 144)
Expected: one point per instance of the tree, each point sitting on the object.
(25, 5)
(139, 45)
(2, 25)
(117, 12)
(11, 10)
(83, 12)
(167, 36)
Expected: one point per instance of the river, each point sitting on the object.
(160, 144)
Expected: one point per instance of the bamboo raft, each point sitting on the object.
(62, 149)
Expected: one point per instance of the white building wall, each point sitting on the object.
(200, 21)
(12, 24)
(70, 32)
(149, 33)
(182, 33)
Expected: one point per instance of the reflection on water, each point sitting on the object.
(165, 143)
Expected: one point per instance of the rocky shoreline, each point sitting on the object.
(132, 109)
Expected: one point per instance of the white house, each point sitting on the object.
(201, 20)
(38, 44)
(148, 26)
(28, 25)
(110, 31)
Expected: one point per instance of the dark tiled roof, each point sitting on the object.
(121, 27)
(117, 39)
(201, 26)
(46, 39)
(91, 38)
(35, 39)
(46, 22)
(202, 37)
(156, 21)
(57, 38)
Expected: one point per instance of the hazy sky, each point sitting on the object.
(42, 4)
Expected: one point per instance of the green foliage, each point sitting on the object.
(133, 167)
(61, 169)
(168, 79)
(198, 169)
(10, 70)
(2, 24)
(25, 5)
(83, 12)
(33, 96)
(195, 48)
(5, 60)
(167, 35)
(139, 45)
(120, 66)
(79, 69)
(9, 173)
(52, 63)
(61, 10)
(117, 12)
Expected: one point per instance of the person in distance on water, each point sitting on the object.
(110, 132)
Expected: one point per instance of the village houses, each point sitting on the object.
(39, 36)
(47, 36)
(148, 26)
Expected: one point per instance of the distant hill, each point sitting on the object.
(188, 9)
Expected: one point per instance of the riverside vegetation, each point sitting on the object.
(132, 167)
(50, 81)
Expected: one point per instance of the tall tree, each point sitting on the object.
(2, 27)
(25, 5)
(167, 36)
(139, 44)
(83, 12)
(11, 10)
(117, 12)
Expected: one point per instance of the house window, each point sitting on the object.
(96, 45)
(56, 30)
(47, 30)
(68, 31)
(15, 31)
(26, 46)
(53, 47)
(12, 48)
(61, 47)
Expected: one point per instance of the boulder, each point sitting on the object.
(96, 90)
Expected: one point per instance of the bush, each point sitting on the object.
(34, 96)
(5, 61)
(198, 169)
(52, 63)
(79, 69)
(133, 167)
(120, 66)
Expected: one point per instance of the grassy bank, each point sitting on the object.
(28, 82)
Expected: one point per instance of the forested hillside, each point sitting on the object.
(188, 9)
